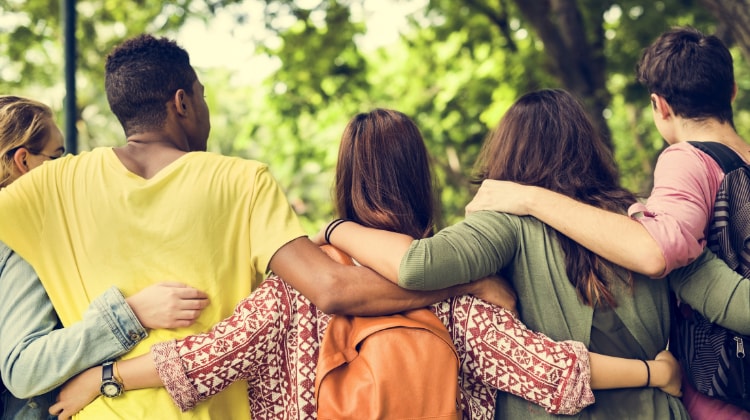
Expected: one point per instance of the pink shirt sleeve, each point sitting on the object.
(679, 208)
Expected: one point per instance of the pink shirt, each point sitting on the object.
(273, 337)
(681, 204)
(677, 215)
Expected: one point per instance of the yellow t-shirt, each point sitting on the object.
(86, 223)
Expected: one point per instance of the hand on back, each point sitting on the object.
(77, 393)
(673, 385)
(497, 291)
(504, 196)
(168, 305)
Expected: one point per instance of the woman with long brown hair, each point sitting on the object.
(564, 290)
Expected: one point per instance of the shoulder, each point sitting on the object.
(683, 163)
(222, 161)
(228, 168)
(684, 153)
(493, 220)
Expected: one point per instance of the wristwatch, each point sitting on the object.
(111, 386)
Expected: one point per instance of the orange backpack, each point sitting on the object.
(401, 366)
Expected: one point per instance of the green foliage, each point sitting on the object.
(456, 69)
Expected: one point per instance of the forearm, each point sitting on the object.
(366, 296)
(615, 237)
(715, 291)
(383, 251)
(139, 372)
(609, 372)
(32, 343)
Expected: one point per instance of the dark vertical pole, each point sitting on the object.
(71, 110)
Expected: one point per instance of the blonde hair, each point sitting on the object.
(23, 123)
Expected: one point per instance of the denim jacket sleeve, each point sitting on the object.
(36, 354)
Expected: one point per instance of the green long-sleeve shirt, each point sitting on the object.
(527, 252)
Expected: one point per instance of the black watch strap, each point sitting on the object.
(107, 371)
(111, 386)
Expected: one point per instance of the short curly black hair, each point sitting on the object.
(141, 75)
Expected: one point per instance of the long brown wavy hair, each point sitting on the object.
(383, 177)
(546, 139)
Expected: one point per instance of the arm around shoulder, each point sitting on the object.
(344, 289)
(611, 235)
(715, 291)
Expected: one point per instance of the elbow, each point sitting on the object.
(21, 389)
(329, 296)
(653, 265)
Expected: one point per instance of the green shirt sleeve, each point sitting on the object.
(716, 291)
(479, 246)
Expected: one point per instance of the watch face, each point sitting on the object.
(111, 389)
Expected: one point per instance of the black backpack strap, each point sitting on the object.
(723, 155)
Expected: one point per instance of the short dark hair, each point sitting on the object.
(693, 72)
(141, 76)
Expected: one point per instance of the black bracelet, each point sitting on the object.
(333, 225)
(648, 373)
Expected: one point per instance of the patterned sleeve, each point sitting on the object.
(199, 366)
(502, 353)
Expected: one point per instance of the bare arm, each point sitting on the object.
(609, 372)
(616, 237)
(352, 290)
(384, 249)
(136, 373)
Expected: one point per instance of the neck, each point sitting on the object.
(156, 141)
(709, 130)
(146, 154)
(712, 130)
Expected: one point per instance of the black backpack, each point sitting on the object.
(712, 356)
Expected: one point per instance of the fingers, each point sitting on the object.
(58, 410)
(188, 315)
(182, 290)
(55, 409)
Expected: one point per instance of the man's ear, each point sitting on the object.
(19, 160)
(180, 102)
(661, 106)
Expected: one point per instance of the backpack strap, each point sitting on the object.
(723, 155)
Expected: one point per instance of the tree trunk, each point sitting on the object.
(735, 16)
(577, 59)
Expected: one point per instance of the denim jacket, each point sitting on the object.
(36, 354)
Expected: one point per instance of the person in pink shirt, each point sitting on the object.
(690, 79)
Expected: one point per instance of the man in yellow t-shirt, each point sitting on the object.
(161, 207)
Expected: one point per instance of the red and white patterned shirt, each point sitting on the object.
(273, 337)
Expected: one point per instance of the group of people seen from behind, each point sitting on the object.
(158, 280)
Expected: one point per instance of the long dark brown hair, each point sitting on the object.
(546, 139)
(383, 177)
